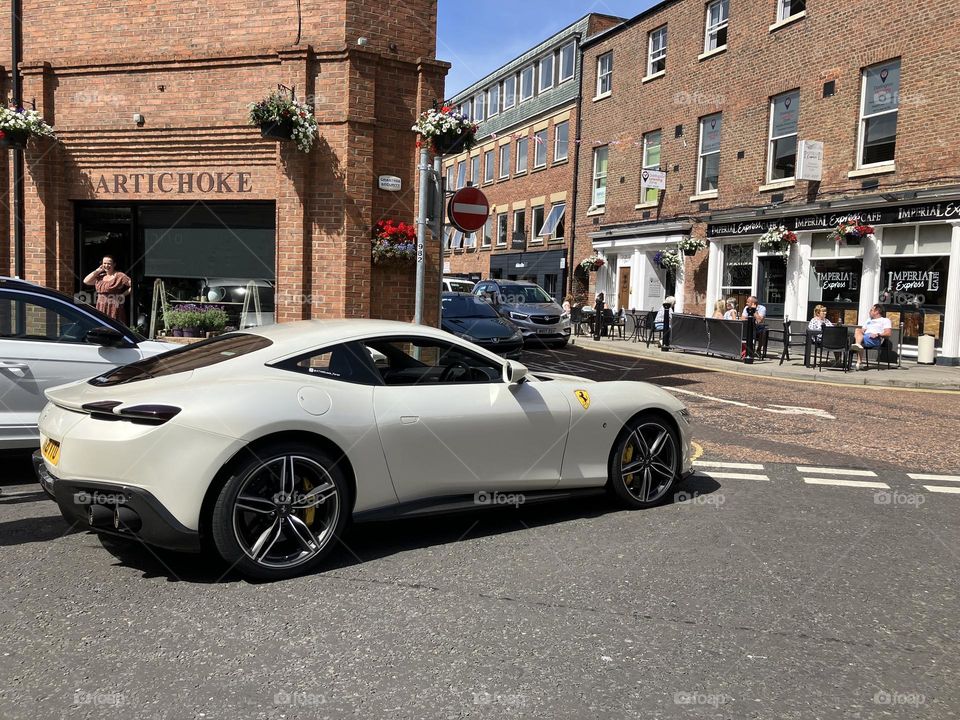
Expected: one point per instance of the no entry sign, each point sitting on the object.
(468, 209)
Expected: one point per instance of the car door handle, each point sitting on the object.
(17, 368)
(409, 419)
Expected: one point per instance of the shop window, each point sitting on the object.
(737, 272)
(879, 105)
(604, 74)
(914, 291)
(657, 52)
(836, 285)
(718, 14)
(651, 161)
(561, 140)
(708, 174)
(782, 150)
(899, 240)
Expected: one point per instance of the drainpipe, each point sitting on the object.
(571, 253)
(19, 234)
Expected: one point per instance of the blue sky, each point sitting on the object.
(477, 38)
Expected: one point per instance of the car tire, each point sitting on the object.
(280, 512)
(562, 344)
(644, 462)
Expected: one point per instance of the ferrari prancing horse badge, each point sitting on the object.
(584, 397)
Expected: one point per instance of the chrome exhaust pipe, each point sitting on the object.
(126, 519)
(99, 515)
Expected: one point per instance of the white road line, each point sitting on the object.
(778, 409)
(835, 471)
(944, 489)
(728, 465)
(846, 483)
(731, 476)
(935, 478)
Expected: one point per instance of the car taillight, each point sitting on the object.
(146, 414)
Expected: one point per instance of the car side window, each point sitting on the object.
(32, 317)
(348, 362)
(424, 361)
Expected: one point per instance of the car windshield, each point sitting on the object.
(525, 295)
(460, 285)
(466, 306)
(192, 357)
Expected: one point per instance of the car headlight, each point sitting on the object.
(518, 316)
(516, 334)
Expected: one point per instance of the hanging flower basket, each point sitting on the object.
(850, 232)
(393, 241)
(668, 260)
(447, 131)
(691, 246)
(280, 116)
(778, 240)
(17, 125)
(592, 264)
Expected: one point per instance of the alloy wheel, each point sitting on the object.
(647, 461)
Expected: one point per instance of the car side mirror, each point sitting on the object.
(514, 373)
(106, 337)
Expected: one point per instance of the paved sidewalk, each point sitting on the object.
(910, 375)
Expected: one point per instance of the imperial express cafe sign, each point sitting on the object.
(827, 221)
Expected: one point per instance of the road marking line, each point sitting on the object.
(779, 409)
(939, 489)
(729, 465)
(731, 476)
(835, 471)
(846, 483)
(697, 451)
(936, 478)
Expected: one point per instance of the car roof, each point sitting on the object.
(455, 293)
(14, 282)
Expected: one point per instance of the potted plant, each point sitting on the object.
(777, 239)
(851, 231)
(173, 320)
(190, 319)
(691, 245)
(282, 117)
(593, 263)
(668, 260)
(448, 131)
(17, 125)
(214, 320)
(393, 241)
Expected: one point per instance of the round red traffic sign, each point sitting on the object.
(468, 209)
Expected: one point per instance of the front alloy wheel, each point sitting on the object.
(278, 515)
(645, 462)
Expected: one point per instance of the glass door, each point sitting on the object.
(107, 231)
(772, 284)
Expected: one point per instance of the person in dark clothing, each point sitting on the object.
(598, 309)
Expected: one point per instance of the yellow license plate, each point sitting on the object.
(51, 451)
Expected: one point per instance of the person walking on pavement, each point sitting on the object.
(598, 308)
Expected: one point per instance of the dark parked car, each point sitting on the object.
(470, 318)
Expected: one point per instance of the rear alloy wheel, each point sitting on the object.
(280, 512)
(645, 462)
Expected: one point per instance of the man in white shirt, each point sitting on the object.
(760, 315)
(873, 332)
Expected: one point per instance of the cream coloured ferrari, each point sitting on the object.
(261, 445)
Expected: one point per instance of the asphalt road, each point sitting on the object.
(752, 594)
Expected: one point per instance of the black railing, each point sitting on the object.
(710, 336)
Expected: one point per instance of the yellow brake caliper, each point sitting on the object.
(626, 458)
(308, 513)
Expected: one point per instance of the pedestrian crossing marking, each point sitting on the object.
(935, 478)
(731, 476)
(835, 471)
(728, 465)
(847, 483)
(942, 489)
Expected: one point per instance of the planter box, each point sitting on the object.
(689, 253)
(192, 332)
(449, 144)
(852, 239)
(14, 139)
(277, 130)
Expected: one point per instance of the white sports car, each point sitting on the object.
(262, 444)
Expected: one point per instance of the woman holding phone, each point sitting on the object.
(113, 288)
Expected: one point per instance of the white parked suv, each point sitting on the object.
(457, 285)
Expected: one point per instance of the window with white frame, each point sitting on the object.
(718, 14)
(788, 8)
(523, 145)
(604, 74)
(470, 240)
(520, 224)
(651, 161)
(466, 109)
(450, 177)
(600, 157)
(546, 72)
(461, 174)
(502, 229)
(567, 59)
(479, 105)
(737, 280)
(505, 161)
(657, 54)
(561, 141)
(553, 226)
(708, 169)
(509, 92)
(879, 105)
(536, 221)
(782, 150)
(540, 149)
(487, 232)
(488, 166)
(493, 100)
(526, 83)
(475, 170)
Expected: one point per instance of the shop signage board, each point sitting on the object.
(810, 160)
(390, 183)
(653, 179)
(887, 215)
(468, 209)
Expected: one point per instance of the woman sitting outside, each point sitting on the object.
(817, 323)
(731, 313)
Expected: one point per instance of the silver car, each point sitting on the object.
(529, 307)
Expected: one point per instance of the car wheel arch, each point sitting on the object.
(322, 442)
(653, 412)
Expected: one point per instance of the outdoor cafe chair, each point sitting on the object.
(834, 338)
(886, 348)
(794, 335)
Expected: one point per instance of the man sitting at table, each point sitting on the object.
(872, 333)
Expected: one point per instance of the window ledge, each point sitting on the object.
(556, 241)
(488, 182)
(711, 53)
(788, 21)
(503, 179)
(562, 161)
(601, 97)
(778, 185)
(656, 75)
(485, 248)
(646, 206)
(596, 210)
(709, 195)
(539, 169)
(520, 173)
(878, 169)
(538, 241)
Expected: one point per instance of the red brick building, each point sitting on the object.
(719, 94)
(524, 163)
(155, 161)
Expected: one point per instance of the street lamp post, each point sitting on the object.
(19, 231)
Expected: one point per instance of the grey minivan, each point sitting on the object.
(529, 307)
